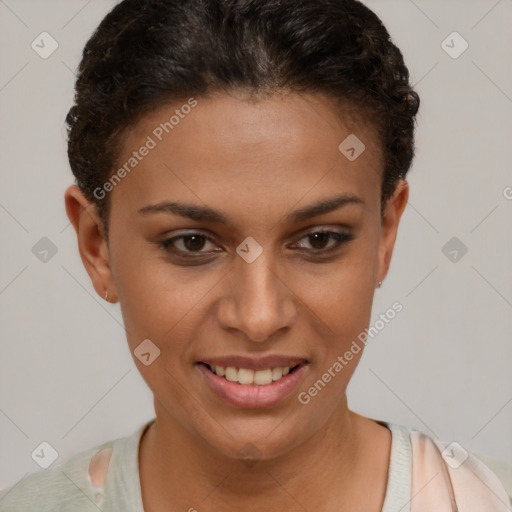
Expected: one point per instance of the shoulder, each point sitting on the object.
(474, 483)
(87, 481)
(60, 488)
(445, 472)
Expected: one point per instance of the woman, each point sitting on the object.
(240, 170)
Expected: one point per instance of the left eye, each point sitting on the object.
(319, 240)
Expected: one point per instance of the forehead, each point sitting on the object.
(231, 150)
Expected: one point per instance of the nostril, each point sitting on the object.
(98, 467)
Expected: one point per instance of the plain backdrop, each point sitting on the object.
(443, 365)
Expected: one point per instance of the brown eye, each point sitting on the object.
(193, 243)
(320, 241)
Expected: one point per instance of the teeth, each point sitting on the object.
(231, 374)
(248, 377)
(263, 377)
(277, 373)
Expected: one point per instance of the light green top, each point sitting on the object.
(68, 488)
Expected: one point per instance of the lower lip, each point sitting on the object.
(253, 396)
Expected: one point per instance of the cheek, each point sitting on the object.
(159, 301)
(344, 306)
(341, 294)
(342, 303)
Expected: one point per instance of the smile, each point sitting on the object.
(253, 388)
(247, 377)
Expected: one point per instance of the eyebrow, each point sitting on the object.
(323, 206)
(204, 213)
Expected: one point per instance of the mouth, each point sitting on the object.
(264, 386)
(249, 377)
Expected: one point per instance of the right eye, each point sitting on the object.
(188, 244)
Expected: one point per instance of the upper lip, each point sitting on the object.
(254, 363)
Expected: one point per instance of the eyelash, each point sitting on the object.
(339, 237)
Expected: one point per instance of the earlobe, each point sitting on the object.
(92, 246)
(393, 210)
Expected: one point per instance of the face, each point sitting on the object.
(244, 238)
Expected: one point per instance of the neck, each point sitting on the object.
(181, 470)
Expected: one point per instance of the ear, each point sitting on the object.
(92, 245)
(393, 210)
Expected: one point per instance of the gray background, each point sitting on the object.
(442, 365)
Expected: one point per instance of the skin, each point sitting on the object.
(255, 161)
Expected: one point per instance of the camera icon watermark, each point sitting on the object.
(454, 455)
(146, 352)
(454, 45)
(352, 147)
(44, 250)
(44, 455)
(44, 45)
(454, 249)
(249, 249)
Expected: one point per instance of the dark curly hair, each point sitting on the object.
(149, 52)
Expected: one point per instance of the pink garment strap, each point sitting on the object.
(465, 484)
(432, 489)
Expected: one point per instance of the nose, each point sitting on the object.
(257, 302)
